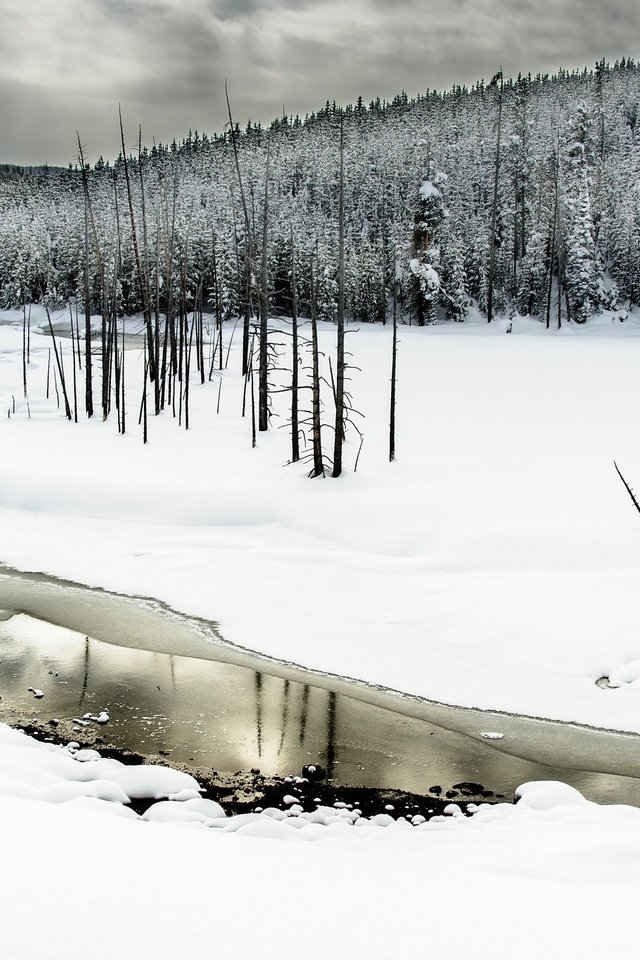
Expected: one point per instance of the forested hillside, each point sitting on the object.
(488, 194)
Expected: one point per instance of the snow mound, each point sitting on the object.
(549, 794)
(629, 673)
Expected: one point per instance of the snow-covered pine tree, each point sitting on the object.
(582, 268)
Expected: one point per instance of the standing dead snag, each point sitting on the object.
(144, 290)
(263, 384)
(24, 349)
(339, 385)
(318, 463)
(247, 241)
(627, 488)
(67, 406)
(87, 299)
(295, 439)
(394, 356)
(73, 367)
(552, 255)
(218, 311)
(494, 206)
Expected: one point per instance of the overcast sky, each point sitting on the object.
(65, 64)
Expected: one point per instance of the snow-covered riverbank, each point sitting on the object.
(495, 564)
(85, 876)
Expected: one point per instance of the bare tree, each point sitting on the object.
(263, 383)
(144, 290)
(499, 78)
(339, 383)
(554, 232)
(58, 356)
(295, 439)
(634, 499)
(316, 426)
(87, 298)
(248, 243)
(394, 355)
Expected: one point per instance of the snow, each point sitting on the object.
(160, 885)
(427, 276)
(494, 564)
(628, 673)
(428, 190)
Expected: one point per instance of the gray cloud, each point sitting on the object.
(239, 9)
(67, 65)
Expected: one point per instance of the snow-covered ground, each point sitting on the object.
(83, 876)
(494, 564)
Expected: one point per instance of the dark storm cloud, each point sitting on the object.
(68, 64)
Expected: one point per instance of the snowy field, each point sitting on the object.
(494, 564)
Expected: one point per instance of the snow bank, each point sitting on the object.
(37, 770)
(124, 887)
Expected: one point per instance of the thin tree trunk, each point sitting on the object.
(24, 348)
(295, 439)
(318, 463)
(263, 383)
(87, 322)
(339, 421)
(253, 400)
(154, 351)
(553, 237)
(248, 245)
(89, 221)
(143, 411)
(217, 299)
(144, 292)
(67, 406)
(123, 404)
(394, 354)
(73, 364)
(494, 209)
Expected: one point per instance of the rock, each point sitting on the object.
(313, 771)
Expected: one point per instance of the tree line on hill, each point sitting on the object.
(519, 195)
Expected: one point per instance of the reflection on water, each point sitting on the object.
(229, 718)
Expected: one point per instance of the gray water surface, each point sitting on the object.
(172, 686)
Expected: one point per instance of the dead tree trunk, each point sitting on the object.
(144, 292)
(339, 391)
(263, 381)
(24, 348)
(73, 365)
(87, 321)
(295, 439)
(316, 426)
(494, 205)
(67, 406)
(89, 222)
(553, 243)
(394, 354)
(248, 235)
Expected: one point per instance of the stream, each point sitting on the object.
(175, 692)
